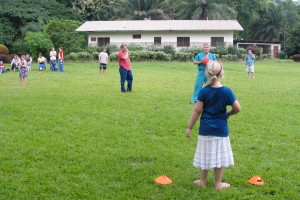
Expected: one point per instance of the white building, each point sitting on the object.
(178, 33)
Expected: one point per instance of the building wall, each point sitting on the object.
(169, 38)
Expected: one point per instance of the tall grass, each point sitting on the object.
(74, 135)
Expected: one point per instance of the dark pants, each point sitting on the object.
(126, 75)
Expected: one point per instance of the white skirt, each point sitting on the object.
(213, 152)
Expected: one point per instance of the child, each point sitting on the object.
(249, 62)
(23, 71)
(213, 148)
(2, 67)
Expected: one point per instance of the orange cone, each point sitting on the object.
(163, 180)
(256, 180)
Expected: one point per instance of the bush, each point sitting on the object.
(282, 55)
(7, 58)
(193, 50)
(3, 49)
(222, 49)
(72, 56)
(183, 56)
(154, 48)
(85, 56)
(296, 57)
(134, 47)
(168, 49)
(113, 57)
(233, 50)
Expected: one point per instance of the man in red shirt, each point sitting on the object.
(125, 69)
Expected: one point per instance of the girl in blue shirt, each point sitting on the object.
(213, 148)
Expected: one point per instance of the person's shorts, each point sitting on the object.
(250, 68)
(102, 66)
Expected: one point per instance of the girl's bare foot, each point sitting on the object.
(200, 183)
(221, 186)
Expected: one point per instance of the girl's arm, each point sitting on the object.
(236, 108)
(195, 115)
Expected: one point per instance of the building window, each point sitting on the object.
(183, 41)
(136, 36)
(157, 40)
(103, 41)
(215, 41)
(93, 39)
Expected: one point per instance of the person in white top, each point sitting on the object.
(53, 60)
(103, 60)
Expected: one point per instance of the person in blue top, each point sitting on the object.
(249, 61)
(201, 78)
(213, 148)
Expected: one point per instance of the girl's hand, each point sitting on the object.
(188, 132)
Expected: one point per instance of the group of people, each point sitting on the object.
(24, 63)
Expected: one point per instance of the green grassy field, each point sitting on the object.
(74, 135)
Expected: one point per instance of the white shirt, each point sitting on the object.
(103, 57)
(52, 55)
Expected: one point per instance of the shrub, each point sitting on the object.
(85, 56)
(134, 47)
(193, 50)
(232, 50)
(7, 58)
(168, 49)
(296, 57)
(3, 49)
(222, 49)
(154, 48)
(113, 56)
(72, 56)
(282, 55)
(183, 56)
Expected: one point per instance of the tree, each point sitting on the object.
(22, 16)
(62, 33)
(293, 41)
(38, 43)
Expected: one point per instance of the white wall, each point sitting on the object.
(147, 38)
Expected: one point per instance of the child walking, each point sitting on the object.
(213, 147)
(23, 71)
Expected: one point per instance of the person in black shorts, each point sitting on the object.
(103, 60)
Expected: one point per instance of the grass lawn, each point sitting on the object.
(74, 135)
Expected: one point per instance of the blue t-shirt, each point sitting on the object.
(213, 120)
(249, 59)
(201, 55)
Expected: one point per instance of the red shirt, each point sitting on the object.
(125, 63)
(61, 55)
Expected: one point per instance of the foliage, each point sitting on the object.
(72, 56)
(3, 49)
(38, 43)
(282, 55)
(7, 58)
(293, 41)
(154, 48)
(134, 47)
(221, 49)
(168, 49)
(183, 56)
(296, 57)
(62, 34)
(19, 17)
(19, 46)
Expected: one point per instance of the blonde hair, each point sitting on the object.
(213, 71)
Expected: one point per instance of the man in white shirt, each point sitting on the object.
(103, 60)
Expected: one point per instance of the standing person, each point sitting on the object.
(15, 63)
(213, 148)
(249, 62)
(53, 59)
(23, 70)
(201, 78)
(28, 61)
(125, 69)
(61, 60)
(103, 60)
